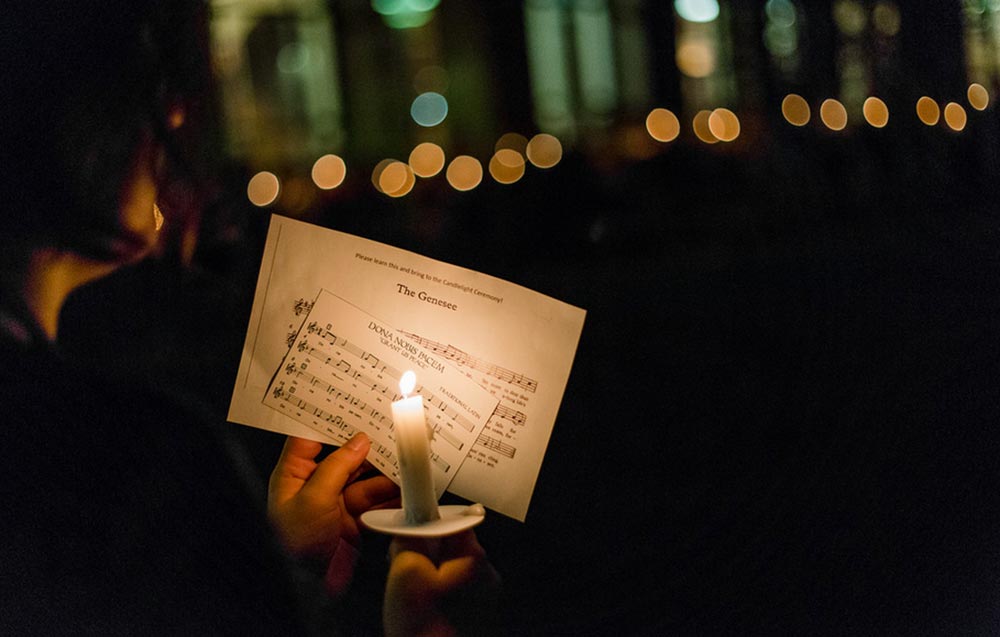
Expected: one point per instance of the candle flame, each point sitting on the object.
(407, 383)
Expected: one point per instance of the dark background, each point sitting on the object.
(782, 417)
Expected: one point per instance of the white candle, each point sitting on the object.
(413, 451)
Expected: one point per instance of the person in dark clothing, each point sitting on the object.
(125, 509)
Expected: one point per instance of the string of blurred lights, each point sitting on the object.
(513, 152)
(697, 59)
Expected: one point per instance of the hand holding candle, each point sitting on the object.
(413, 450)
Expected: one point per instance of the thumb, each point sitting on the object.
(331, 475)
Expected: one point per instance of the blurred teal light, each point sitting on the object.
(780, 12)
(697, 10)
(405, 14)
(429, 109)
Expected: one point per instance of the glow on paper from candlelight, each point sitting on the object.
(407, 383)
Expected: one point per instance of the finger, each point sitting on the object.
(332, 474)
(367, 494)
(365, 467)
(295, 465)
(298, 457)
(424, 547)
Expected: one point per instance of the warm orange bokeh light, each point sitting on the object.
(263, 188)
(393, 177)
(928, 111)
(510, 158)
(507, 166)
(954, 116)
(464, 172)
(979, 97)
(427, 159)
(329, 172)
(544, 150)
(876, 112)
(701, 127)
(513, 141)
(796, 110)
(833, 114)
(696, 59)
(377, 173)
(663, 125)
(409, 179)
(724, 124)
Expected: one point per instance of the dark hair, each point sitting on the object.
(84, 80)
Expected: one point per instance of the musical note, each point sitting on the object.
(513, 415)
(447, 436)
(334, 421)
(462, 358)
(440, 462)
(342, 365)
(496, 445)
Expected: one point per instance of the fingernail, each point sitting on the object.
(359, 441)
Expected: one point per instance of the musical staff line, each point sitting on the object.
(507, 413)
(338, 393)
(335, 421)
(453, 353)
(431, 399)
(494, 444)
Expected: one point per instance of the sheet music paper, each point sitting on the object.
(342, 373)
(516, 344)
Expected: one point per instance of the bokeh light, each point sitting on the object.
(663, 125)
(850, 17)
(886, 18)
(377, 172)
(876, 112)
(796, 110)
(928, 111)
(426, 159)
(409, 179)
(697, 10)
(429, 109)
(701, 128)
(507, 166)
(393, 177)
(405, 14)
(696, 59)
(979, 97)
(954, 116)
(724, 124)
(544, 150)
(780, 12)
(833, 114)
(329, 172)
(513, 141)
(263, 188)
(464, 172)
(293, 58)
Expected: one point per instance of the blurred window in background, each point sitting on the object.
(572, 63)
(982, 41)
(278, 79)
(704, 54)
(867, 56)
(782, 35)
